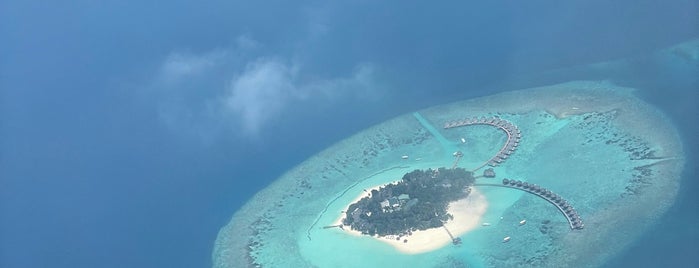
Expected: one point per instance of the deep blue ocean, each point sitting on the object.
(131, 131)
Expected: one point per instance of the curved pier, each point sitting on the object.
(568, 211)
(513, 136)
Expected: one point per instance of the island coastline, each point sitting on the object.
(467, 214)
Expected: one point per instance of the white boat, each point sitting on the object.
(463, 140)
(506, 239)
(486, 224)
(404, 157)
(522, 222)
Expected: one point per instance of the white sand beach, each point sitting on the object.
(467, 214)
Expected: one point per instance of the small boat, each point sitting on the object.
(506, 239)
(486, 224)
(522, 222)
(463, 140)
(404, 157)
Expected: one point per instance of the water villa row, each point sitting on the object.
(513, 135)
(568, 211)
(571, 215)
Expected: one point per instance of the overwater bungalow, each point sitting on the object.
(489, 173)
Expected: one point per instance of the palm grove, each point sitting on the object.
(418, 201)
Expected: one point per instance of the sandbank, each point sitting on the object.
(467, 214)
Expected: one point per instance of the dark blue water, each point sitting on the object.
(672, 243)
(103, 163)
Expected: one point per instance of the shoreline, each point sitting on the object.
(467, 214)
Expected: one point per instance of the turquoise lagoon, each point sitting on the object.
(616, 159)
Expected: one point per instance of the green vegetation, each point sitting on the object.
(418, 202)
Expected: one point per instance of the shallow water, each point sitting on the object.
(122, 142)
(591, 142)
(553, 163)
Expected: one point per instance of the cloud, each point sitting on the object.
(240, 88)
(178, 66)
(260, 93)
(268, 87)
(245, 42)
(361, 85)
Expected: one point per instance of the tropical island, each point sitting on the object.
(419, 201)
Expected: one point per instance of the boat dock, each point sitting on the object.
(457, 157)
(513, 136)
(568, 211)
(454, 240)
